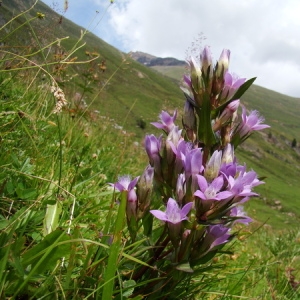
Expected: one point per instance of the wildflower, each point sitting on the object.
(192, 166)
(213, 166)
(60, 98)
(231, 85)
(216, 235)
(173, 213)
(250, 123)
(167, 122)
(144, 189)
(241, 186)
(180, 187)
(40, 15)
(227, 114)
(173, 216)
(211, 191)
(189, 120)
(197, 83)
(223, 63)
(173, 139)
(125, 183)
(153, 145)
(206, 62)
(240, 215)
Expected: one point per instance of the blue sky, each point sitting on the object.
(263, 35)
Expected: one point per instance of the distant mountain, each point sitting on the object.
(151, 61)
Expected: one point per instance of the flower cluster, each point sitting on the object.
(193, 170)
(60, 98)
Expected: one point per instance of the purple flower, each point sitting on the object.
(189, 120)
(173, 213)
(153, 145)
(216, 235)
(241, 187)
(180, 187)
(144, 189)
(167, 122)
(173, 139)
(238, 212)
(252, 122)
(211, 191)
(213, 166)
(126, 184)
(228, 154)
(192, 162)
(227, 114)
(223, 63)
(206, 62)
(231, 85)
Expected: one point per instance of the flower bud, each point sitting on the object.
(189, 120)
(206, 62)
(144, 190)
(213, 166)
(223, 63)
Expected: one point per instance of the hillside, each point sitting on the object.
(133, 94)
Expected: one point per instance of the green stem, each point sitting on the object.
(114, 249)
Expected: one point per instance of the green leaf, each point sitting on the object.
(238, 94)
(24, 194)
(51, 219)
(243, 88)
(129, 286)
(36, 256)
(185, 268)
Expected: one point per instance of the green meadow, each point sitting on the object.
(57, 211)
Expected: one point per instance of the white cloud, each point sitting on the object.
(263, 35)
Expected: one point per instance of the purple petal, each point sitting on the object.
(202, 183)
(133, 183)
(186, 209)
(223, 195)
(200, 195)
(159, 215)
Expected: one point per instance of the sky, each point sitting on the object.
(262, 35)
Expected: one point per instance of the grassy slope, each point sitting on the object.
(136, 91)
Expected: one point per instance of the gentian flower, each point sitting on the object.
(216, 235)
(153, 145)
(250, 123)
(223, 63)
(192, 161)
(144, 189)
(226, 115)
(126, 184)
(206, 62)
(180, 187)
(211, 191)
(239, 213)
(228, 154)
(231, 85)
(173, 213)
(213, 166)
(167, 122)
(189, 120)
(241, 187)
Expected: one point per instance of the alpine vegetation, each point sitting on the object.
(192, 192)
